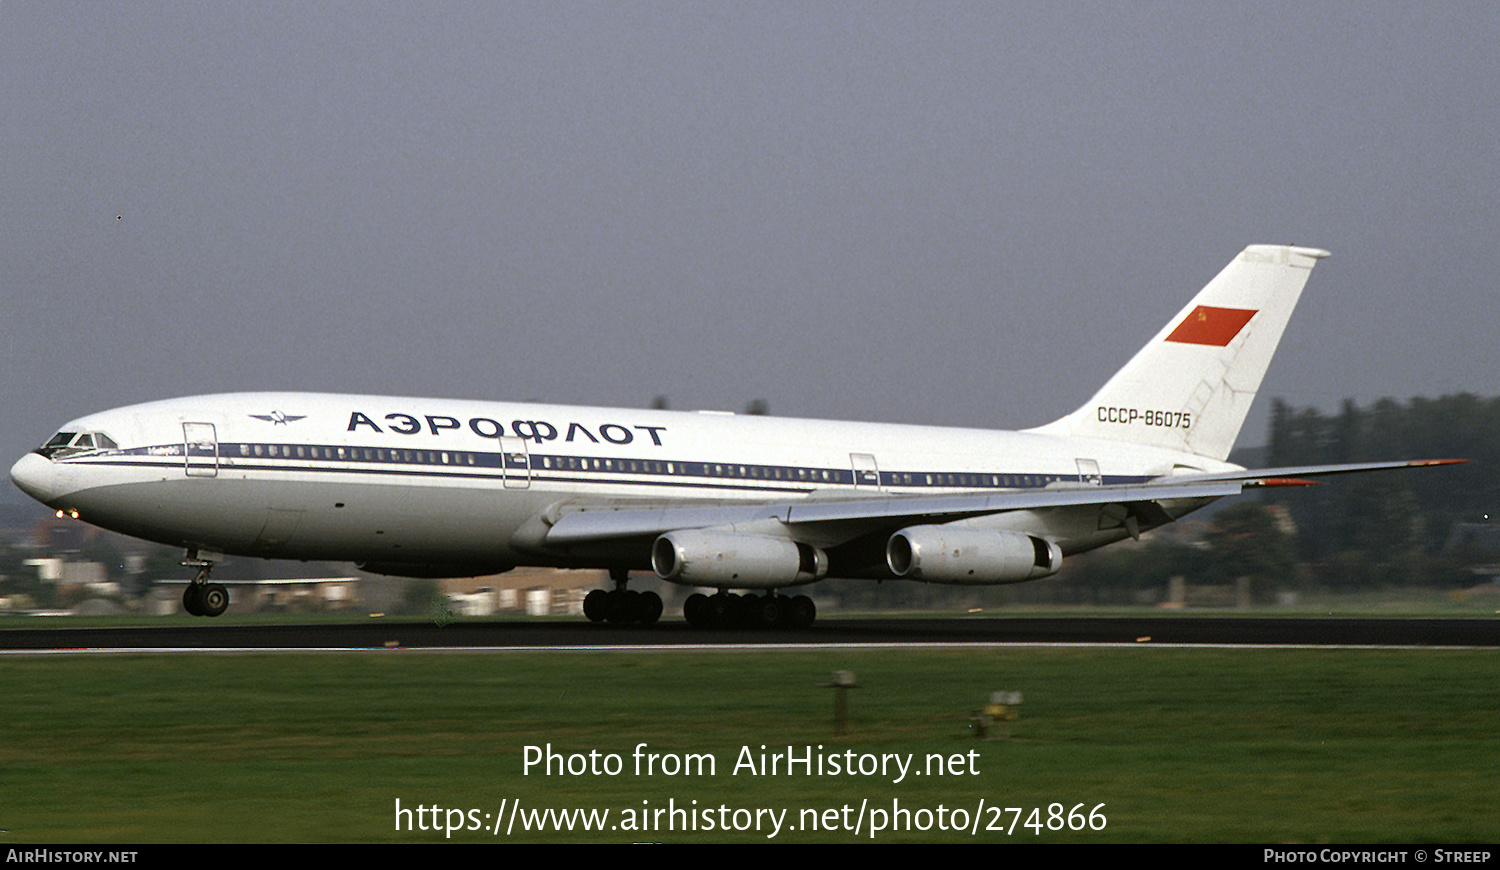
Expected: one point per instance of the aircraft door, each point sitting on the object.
(866, 473)
(516, 463)
(200, 450)
(1088, 472)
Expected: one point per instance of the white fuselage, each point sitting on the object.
(449, 482)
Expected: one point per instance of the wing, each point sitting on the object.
(832, 522)
(591, 523)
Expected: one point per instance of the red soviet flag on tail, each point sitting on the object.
(1212, 326)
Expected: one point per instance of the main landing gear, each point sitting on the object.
(622, 605)
(727, 610)
(722, 610)
(202, 598)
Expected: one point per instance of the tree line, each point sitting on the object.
(1392, 527)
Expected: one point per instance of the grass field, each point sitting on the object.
(1178, 745)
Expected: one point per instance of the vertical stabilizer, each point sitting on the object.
(1191, 386)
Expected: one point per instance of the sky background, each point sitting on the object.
(945, 213)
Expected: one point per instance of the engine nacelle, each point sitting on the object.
(701, 557)
(948, 554)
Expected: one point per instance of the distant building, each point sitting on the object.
(532, 591)
(538, 591)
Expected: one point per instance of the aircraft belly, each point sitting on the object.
(181, 512)
(317, 520)
(401, 523)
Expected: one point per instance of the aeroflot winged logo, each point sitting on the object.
(278, 418)
(1211, 326)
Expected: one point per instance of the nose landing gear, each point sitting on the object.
(202, 598)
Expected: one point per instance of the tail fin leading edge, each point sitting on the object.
(1190, 387)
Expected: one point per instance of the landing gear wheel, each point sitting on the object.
(764, 611)
(695, 610)
(727, 610)
(192, 599)
(213, 598)
(650, 610)
(623, 605)
(716, 610)
(801, 612)
(202, 598)
(595, 605)
(735, 611)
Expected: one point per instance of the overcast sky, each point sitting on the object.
(958, 214)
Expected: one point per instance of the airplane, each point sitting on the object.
(444, 488)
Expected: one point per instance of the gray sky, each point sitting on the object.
(959, 214)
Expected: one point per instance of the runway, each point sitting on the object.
(952, 632)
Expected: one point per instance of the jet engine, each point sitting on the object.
(970, 556)
(703, 557)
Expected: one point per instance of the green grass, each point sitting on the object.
(1179, 745)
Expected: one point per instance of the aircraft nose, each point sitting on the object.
(35, 475)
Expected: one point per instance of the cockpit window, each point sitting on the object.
(61, 439)
(70, 443)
